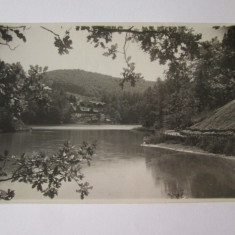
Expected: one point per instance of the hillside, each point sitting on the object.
(90, 84)
(222, 119)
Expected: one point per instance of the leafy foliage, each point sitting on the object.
(125, 108)
(130, 76)
(20, 92)
(55, 109)
(63, 45)
(192, 87)
(11, 83)
(200, 74)
(25, 96)
(7, 34)
(46, 173)
(165, 44)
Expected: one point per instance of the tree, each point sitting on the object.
(11, 81)
(165, 44)
(214, 80)
(21, 92)
(124, 107)
(46, 173)
(200, 75)
(148, 114)
(36, 93)
(7, 33)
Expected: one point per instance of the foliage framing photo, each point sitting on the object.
(199, 79)
(46, 173)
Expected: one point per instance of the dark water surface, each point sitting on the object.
(122, 169)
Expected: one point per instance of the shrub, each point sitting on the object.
(211, 143)
(229, 147)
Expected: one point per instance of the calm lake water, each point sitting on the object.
(122, 169)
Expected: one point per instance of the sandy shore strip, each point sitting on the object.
(186, 149)
(85, 127)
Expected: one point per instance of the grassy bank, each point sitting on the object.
(211, 143)
(143, 129)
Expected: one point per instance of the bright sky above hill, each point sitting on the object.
(39, 49)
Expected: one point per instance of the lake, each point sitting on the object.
(121, 169)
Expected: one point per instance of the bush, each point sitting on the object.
(211, 143)
(229, 148)
(157, 137)
(160, 137)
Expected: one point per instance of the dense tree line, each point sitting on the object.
(124, 108)
(24, 96)
(57, 111)
(200, 77)
(90, 84)
(29, 97)
(193, 88)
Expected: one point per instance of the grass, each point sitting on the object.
(222, 119)
(214, 134)
(210, 143)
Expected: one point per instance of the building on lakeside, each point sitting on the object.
(90, 112)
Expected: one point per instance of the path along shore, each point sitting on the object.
(186, 149)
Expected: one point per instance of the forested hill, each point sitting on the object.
(90, 84)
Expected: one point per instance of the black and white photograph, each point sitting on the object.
(117, 112)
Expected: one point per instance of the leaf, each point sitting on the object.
(102, 45)
(5, 36)
(20, 35)
(132, 66)
(3, 174)
(128, 59)
(34, 185)
(106, 54)
(39, 187)
(55, 172)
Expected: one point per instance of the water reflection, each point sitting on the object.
(191, 176)
(122, 169)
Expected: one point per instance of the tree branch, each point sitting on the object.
(6, 179)
(124, 49)
(120, 30)
(57, 35)
(14, 27)
(6, 44)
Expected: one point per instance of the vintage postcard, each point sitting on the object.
(117, 112)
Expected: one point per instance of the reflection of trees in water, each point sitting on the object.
(174, 189)
(191, 176)
(113, 140)
(211, 187)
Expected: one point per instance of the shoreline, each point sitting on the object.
(29, 128)
(186, 149)
(84, 127)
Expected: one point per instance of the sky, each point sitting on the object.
(40, 50)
